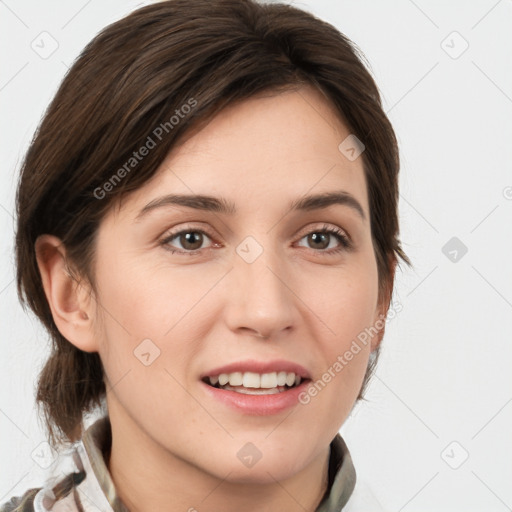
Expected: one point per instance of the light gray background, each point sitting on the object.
(443, 388)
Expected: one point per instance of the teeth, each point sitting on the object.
(236, 379)
(281, 378)
(268, 380)
(254, 391)
(251, 380)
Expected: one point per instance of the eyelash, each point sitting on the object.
(345, 243)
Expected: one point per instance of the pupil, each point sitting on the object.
(189, 237)
(316, 237)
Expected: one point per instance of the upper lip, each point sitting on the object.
(277, 365)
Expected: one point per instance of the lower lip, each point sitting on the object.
(258, 405)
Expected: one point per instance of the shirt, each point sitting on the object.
(89, 486)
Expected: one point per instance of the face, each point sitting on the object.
(266, 288)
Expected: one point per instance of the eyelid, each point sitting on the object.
(345, 240)
(169, 235)
(345, 243)
(314, 227)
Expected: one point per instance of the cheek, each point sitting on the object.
(148, 300)
(140, 301)
(344, 299)
(345, 306)
(145, 350)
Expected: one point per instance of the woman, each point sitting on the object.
(208, 229)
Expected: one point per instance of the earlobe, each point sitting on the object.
(70, 303)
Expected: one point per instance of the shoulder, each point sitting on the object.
(24, 503)
(59, 482)
(78, 474)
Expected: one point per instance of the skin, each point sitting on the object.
(174, 447)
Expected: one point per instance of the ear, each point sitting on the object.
(70, 301)
(382, 308)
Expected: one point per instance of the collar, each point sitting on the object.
(91, 487)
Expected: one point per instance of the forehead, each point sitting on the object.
(269, 149)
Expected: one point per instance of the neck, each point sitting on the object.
(149, 477)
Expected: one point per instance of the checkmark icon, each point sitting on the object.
(249, 249)
(44, 45)
(454, 45)
(455, 455)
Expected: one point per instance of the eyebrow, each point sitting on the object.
(221, 205)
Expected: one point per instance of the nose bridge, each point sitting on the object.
(263, 301)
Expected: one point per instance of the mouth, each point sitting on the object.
(252, 383)
(258, 388)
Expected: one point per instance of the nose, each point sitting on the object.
(259, 296)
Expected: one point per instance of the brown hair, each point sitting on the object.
(137, 75)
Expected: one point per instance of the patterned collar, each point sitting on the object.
(91, 489)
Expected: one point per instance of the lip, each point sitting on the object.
(257, 405)
(276, 365)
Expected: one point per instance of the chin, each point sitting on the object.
(250, 466)
(258, 474)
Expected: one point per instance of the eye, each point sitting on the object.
(321, 239)
(191, 241)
